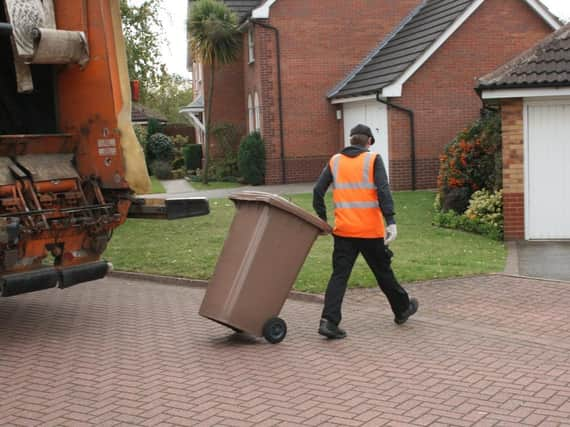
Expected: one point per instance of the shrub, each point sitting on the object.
(161, 169)
(154, 126)
(251, 159)
(483, 216)
(486, 207)
(180, 141)
(457, 199)
(453, 220)
(141, 133)
(178, 173)
(192, 156)
(178, 164)
(472, 161)
(159, 148)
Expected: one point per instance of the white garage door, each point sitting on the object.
(374, 115)
(548, 169)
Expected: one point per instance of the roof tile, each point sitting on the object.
(546, 64)
(401, 49)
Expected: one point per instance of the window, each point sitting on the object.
(257, 112)
(198, 71)
(250, 111)
(251, 45)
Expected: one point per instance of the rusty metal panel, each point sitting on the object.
(21, 145)
(48, 167)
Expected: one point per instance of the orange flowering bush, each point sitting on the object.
(471, 162)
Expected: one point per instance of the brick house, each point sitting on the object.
(310, 70)
(533, 92)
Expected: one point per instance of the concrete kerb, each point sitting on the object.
(540, 279)
(202, 284)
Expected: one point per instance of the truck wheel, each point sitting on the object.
(274, 330)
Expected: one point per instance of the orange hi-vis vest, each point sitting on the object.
(357, 212)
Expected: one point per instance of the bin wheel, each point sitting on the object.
(275, 330)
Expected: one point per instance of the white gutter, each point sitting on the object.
(525, 93)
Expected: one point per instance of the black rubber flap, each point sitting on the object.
(283, 204)
(187, 207)
(30, 281)
(83, 273)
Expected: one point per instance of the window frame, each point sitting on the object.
(257, 112)
(251, 45)
(250, 114)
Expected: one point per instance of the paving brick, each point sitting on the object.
(138, 354)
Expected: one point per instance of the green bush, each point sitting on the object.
(142, 134)
(486, 207)
(483, 216)
(159, 148)
(192, 156)
(178, 164)
(251, 159)
(471, 162)
(154, 126)
(161, 169)
(178, 173)
(453, 220)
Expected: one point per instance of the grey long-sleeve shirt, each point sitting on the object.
(380, 179)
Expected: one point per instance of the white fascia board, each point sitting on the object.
(262, 12)
(392, 91)
(434, 47)
(525, 93)
(544, 13)
(353, 99)
(396, 86)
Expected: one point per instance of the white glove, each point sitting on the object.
(391, 234)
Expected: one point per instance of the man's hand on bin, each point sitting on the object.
(391, 234)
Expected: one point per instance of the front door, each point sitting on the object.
(374, 115)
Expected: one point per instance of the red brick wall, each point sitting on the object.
(228, 104)
(441, 92)
(513, 168)
(321, 42)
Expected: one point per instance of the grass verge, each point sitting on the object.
(190, 247)
(156, 186)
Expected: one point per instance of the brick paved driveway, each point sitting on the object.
(484, 351)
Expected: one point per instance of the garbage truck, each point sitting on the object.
(70, 163)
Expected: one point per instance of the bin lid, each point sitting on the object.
(283, 204)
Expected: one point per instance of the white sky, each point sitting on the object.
(174, 22)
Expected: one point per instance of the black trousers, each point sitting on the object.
(378, 257)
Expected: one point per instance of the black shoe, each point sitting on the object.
(330, 330)
(412, 308)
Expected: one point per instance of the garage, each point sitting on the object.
(533, 94)
(547, 138)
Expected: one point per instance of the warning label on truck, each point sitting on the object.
(107, 147)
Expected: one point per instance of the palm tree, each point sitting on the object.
(214, 40)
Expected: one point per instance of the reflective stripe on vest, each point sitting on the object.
(355, 196)
(363, 184)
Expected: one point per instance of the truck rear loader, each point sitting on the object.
(70, 163)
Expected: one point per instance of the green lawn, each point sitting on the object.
(214, 185)
(190, 247)
(156, 186)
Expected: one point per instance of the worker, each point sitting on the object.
(362, 197)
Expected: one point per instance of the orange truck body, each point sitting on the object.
(63, 192)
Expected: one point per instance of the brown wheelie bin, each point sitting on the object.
(265, 249)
